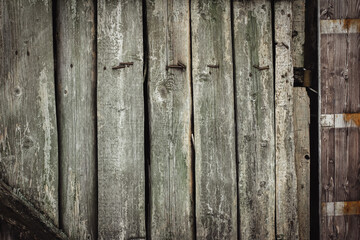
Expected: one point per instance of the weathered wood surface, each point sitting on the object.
(340, 97)
(255, 118)
(302, 158)
(28, 134)
(120, 109)
(214, 120)
(301, 123)
(24, 220)
(286, 183)
(171, 203)
(333, 9)
(76, 76)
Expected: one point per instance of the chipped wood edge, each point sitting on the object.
(17, 210)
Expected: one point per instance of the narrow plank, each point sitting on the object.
(28, 134)
(171, 202)
(334, 9)
(345, 120)
(340, 26)
(340, 208)
(214, 120)
(120, 109)
(76, 79)
(327, 178)
(30, 223)
(255, 118)
(286, 183)
(302, 158)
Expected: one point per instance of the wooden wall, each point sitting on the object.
(340, 115)
(156, 119)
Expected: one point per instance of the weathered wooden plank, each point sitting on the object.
(171, 202)
(286, 183)
(340, 26)
(346, 120)
(340, 208)
(76, 79)
(214, 120)
(28, 222)
(334, 9)
(120, 109)
(28, 134)
(255, 118)
(302, 159)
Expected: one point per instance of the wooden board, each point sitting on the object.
(287, 226)
(255, 118)
(214, 120)
(19, 219)
(171, 201)
(302, 158)
(120, 109)
(340, 91)
(76, 82)
(28, 134)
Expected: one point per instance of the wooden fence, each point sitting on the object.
(154, 119)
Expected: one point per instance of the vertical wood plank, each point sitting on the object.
(171, 203)
(286, 183)
(301, 123)
(302, 159)
(214, 120)
(255, 118)
(76, 79)
(28, 133)
(120, 109)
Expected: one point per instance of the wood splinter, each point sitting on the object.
(261, 68)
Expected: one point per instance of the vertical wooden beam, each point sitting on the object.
(255, 118)
(286, 183)
(120, 108)
(28, 133)
(171, 208)
(214, 120)
(76, 79)
(302, 158)
(301, 123)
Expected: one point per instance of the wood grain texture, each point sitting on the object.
(23, 220)
(120, 109)
(333, 9)
(302, 158)
(28, 134)
(214, 120)
(171, 203)
(76, 79)
(255, 118)
(286, 183)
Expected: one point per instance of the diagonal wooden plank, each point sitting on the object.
(28, 134)
(255, 118)
(171, 208)
(76, 79)
(214, 120)
(120, 109)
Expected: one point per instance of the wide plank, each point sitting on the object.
(120, 112)
(214, 120)
(169, 88)
(255, 118)
(76, 89)
(28, 128)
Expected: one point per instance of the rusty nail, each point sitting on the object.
(213, 66)
(178, 66)
(118, 67)
(127, 64)
(261, 68)
(285, 45)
